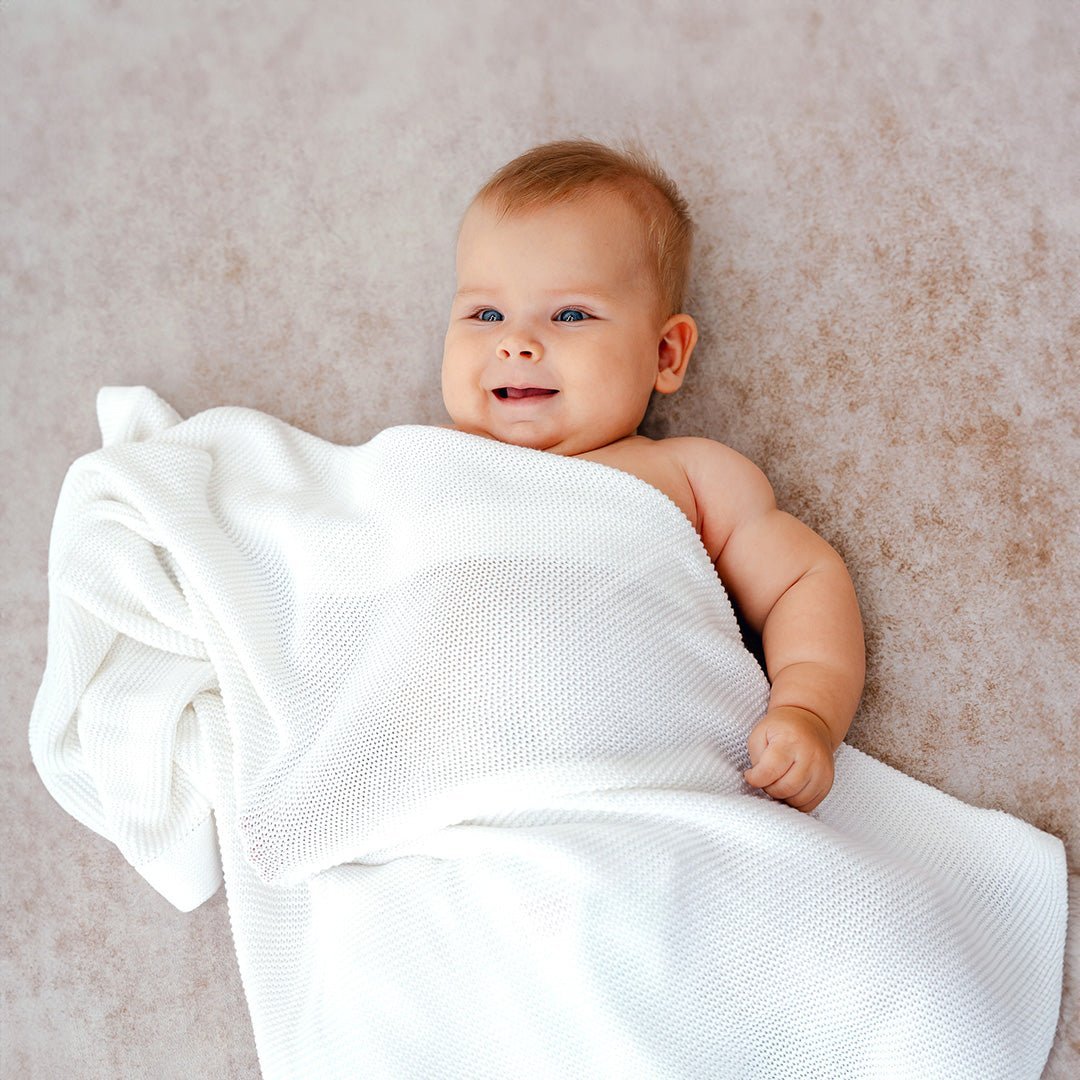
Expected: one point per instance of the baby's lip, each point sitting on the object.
(513, 392)
(522, 386)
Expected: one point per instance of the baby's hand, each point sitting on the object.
(792, 757)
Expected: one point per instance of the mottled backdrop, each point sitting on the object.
(255, 204)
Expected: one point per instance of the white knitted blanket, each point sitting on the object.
(463, 725)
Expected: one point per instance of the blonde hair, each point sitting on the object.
(560, 171)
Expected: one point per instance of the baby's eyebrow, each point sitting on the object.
(586, 293)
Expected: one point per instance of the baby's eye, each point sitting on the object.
(574, 313)
(488, 314)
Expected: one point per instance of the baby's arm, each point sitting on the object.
(794, 590)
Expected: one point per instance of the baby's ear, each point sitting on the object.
(677, 340)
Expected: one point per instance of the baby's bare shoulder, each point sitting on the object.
(727, 487)
(712, 466)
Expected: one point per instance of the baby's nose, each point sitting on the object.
(519, 342)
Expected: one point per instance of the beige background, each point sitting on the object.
(255, 204)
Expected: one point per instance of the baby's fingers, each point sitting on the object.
(818, 784)
(808, 799)
(773, 767)
(794, 787)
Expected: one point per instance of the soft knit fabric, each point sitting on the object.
(463, 725)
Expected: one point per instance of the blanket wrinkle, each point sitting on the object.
(405, 698)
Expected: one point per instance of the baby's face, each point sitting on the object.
(560, 298)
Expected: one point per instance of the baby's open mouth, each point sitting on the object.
(522, 391)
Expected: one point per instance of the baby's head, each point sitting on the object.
(572, 265)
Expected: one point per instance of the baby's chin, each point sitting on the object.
(548, 434)
(519, 434)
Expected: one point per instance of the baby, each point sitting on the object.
(572, 264)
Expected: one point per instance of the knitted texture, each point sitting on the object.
(462, 726)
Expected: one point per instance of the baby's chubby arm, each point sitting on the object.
(795, 591)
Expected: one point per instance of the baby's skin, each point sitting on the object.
(556, 340)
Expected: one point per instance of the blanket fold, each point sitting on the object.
(463, 726)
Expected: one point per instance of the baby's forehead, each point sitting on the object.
(589, 212)
(596, 214)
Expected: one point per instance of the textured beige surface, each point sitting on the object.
(255, 204)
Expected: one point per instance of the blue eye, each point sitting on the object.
(488, 315)
(572, 311)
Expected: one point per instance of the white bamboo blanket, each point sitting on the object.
(463, 724)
